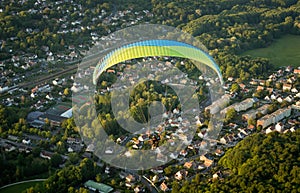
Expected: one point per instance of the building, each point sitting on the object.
(164, 187)
(219, 104)
(181, 174)
(242, 106)
(207, 162)
(263, 109)
(296, 71)
(249, 115)
(54, 120)
(33, 119)
(274, 117)
(97, 187)
(68, 113)
(252, 114)
(286, 87)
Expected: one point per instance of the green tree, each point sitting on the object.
(230, 114)
(56, 160)
(235, 87)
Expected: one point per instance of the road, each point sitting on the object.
(35, 180)
(144, 180)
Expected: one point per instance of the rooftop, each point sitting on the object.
(103, 188)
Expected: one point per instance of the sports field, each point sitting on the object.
(282, 52)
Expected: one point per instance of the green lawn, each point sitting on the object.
(18, 188)
(283, 52)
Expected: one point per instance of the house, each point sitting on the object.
(143, 137)
(203, 145)
(294, 90)
(279, 127)
(121, 139)
(279, 99)
(267, 98)
(183, 153)
(253, 82)
(289, 69)
(207, 162)
(164, 187)
(270, 129)
(138, 189)
(260, 88)
(224, 140)
(188, 165)
(57, 82)
(181, 174)
(49, 97)
(217, 175)
(296, 105)
(289, 99)
(292, 129)
(9, 148)
(46, 155)
(242, 86)
(286, 87)
(176, 111)
(202, 134)
(107, 170)
(26, 141)
(230, 79)
(219, 152)
(130, 178)
(297, 71)
(270, 90)
(70, 150)
(241, 135)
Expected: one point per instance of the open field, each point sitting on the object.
(283, 52)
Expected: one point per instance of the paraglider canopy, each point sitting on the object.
(154, 48)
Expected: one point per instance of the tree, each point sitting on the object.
(251, 121)
(36, 151)
(74, 158)
(168, 170)
(56, 160)
(66, 92)
(175, 187)
(230, 114)
(235, 87)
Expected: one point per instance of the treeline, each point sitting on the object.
(16, 166)
(68, 179)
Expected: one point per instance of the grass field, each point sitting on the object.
(18, 188)
(283, 52)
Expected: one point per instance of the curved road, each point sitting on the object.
(35, 180)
